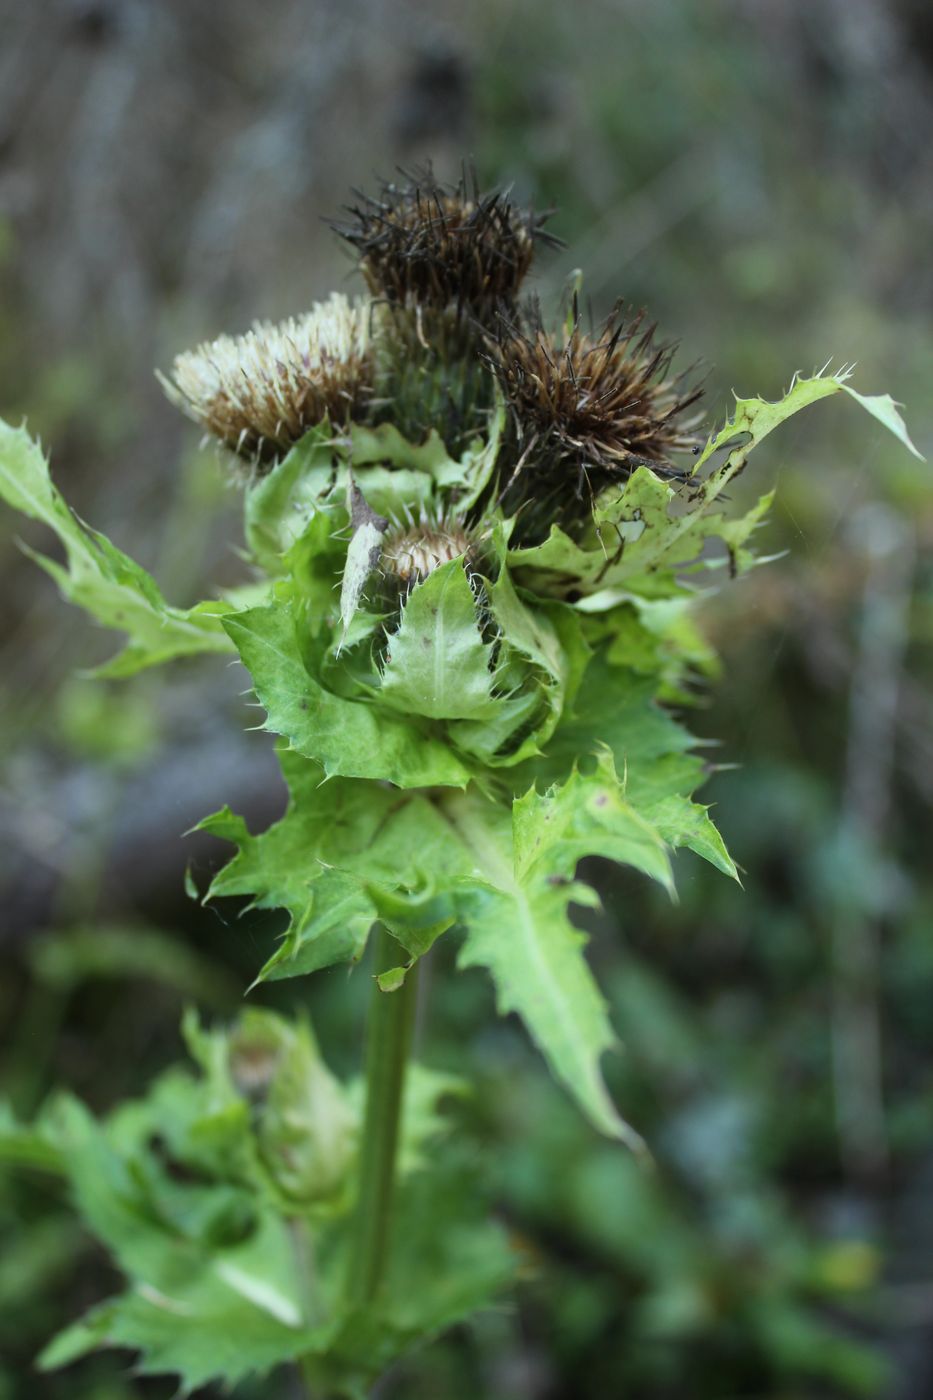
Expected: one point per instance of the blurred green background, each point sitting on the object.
(760, 177)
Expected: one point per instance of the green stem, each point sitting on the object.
(388, 1041)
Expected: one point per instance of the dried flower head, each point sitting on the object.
(588, 409)
(411, 552)
(430, 245)
(260, 392)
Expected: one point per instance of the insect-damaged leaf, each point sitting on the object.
(635, 531)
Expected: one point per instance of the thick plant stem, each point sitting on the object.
(387, 1046)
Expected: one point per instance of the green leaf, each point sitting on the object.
(449, 1258)
(385, 445)
(418, 471)
(883, 407)
(78, 1340)
(279, 505)
(516, 912)
(635, 534)
(438, 664)
(637, 538)
(345, 853)
(587, 815)
(617, 707)
(681, 822)
(30, 1144)
(529, 629)
(547, 642)
(306, 1126)
(314, 564)
(180, 1240)
(291, 867)
(98, 577)
(215, 1290)
(480, 460)
(416, 916)
(423, 1121)
(200, 1335)
(395, 475)
(658, 637)
(219, 1286)
(392, 979)
(346, 737)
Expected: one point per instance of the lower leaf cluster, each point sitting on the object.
(223, 1197)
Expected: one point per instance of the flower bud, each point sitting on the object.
(411, 553)
(306, 1128)
(429, 245)
(444, 261)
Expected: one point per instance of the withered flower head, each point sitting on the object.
(260, 392)
(588, 409)
(434, 246)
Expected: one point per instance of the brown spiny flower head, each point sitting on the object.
(431, 246)
(586, 410)
(260, 392)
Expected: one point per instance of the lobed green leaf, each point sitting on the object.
(637, 536)
(346, 737)
(99, 577)
(438, 664)
(515, 908)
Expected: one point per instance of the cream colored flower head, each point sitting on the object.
(411, 552)
(260, 392)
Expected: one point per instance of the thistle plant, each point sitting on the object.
(477, 543)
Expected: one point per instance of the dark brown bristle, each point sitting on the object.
(435, 246)
(587, 409)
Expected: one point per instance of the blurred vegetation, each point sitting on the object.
(761, 178)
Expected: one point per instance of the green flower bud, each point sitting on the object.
(306, 1128)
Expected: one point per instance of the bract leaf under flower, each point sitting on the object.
(345, 736)
(438, 664)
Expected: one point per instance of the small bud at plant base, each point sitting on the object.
(305, 1123)
(586, 411)
(262, 391)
